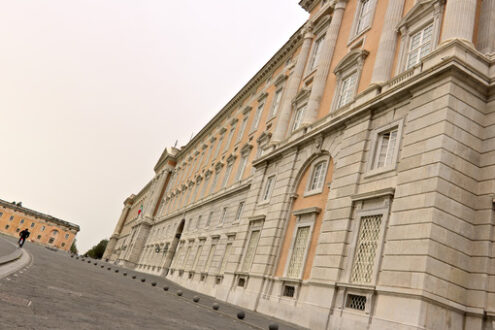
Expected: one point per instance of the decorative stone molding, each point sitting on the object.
(218, 166)
(247, 109)
(281, 78)
(262, 96)
(246, 149)
(308, 210)
(373, 194)
(355, 57)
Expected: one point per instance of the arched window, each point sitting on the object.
(54, 233)
(317, 178)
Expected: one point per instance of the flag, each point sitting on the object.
(140, 209)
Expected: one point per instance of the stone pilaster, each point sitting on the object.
(459, 20)
(116, 233)
(157, 188)
(292, 87)
(486, 27)
(324, 61)
(382, 69)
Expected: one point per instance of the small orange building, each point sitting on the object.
(45, 229)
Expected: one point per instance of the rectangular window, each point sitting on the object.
(198, 224)
(226, 177)
(257, 116)
(366, 246)
(214, 183)
(250, 250)
(42, 228)
(347, 89)
(420, 45)
(243, 128)
(208, 221)
(364, 16)
(11, 218)
(239, 212)
(222, 219)
(210, 151)
(354, 301)
(241, 168)
(219, 144)
(298, 116)
(276, 102)
(198, 255)
(229, 139)
(1, 213)
(268, 188)
(32, 225)
(385, 148)
(296, 261)
(22, 220)
(205, 185)
(226, 256)
(315, 55)
(210, 257)
(289, 291)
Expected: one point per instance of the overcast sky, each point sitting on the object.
(92, 91)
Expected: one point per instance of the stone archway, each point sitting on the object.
(173, 247)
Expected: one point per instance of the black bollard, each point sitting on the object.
(241, 315)
(196, 299)
(215, 306)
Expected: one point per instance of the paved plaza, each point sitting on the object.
(55, 291)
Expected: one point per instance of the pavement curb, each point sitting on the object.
(14, 261)
(11, 257)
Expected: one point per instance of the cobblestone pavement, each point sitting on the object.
(56, 291)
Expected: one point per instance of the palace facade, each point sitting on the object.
(45, 229)
(349, 184)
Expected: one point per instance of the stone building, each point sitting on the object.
(44, 229)
(349, 184)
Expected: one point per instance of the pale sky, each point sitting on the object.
(92, 91)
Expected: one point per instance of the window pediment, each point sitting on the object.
(417, 11)
(280, 79)
(350, 60)
(218, 166)
(231, 158)
(262, 96)
(264, 137)
(302, 95)
(247, 109)
(246, 148)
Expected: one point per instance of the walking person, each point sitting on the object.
(23, 235)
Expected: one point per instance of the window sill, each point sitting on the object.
(357, 36)
(378, 171)
(312, 192)
(262, 203)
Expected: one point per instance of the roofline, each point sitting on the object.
(39, 215)
(292, 43)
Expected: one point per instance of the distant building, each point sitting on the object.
(44, 228)
(349, 184)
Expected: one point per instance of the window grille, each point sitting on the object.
(385, 148)
(347, 90)
(420, 45)
(367, 243)
(318, 176)
(250, 250)
(226, 256)
(356, 302)
(241, 282)
(289, 291)
(298, 251)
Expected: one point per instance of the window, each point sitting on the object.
(17, 230)
(276, 102)
(51, 240)
(366, 247)
(298, 116)
(229, 139)
(11, 218)
(208, 221)
(32, 225)
(198, 255)
(289, 291)
(296, 262)
(1, 213)
(208, 157)
(210, 257)
(42, 228)
(315, 55)
(38, 237)
(222, 219)
(365, 14)
(385, 148)
(239, 212)
(66, 236)
(257, 116)
(228, 170)
(63, 244)
(205, 185)
(198, 224)
(420, 45)
(347, 90)
(219, 144)
(186, 256)
(241, 168)
(318, 176)
(22, 220)
(355, 301)
(7, 226)
(226, 256)
(250, 250)
(214, 183)
(268, 189)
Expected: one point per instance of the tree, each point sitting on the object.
(96, 252)
(73, 248)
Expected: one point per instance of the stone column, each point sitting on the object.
(113, 239)
(459, 20)
(382, 69)
(292, 87)
(324, 61)
(486, 27)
